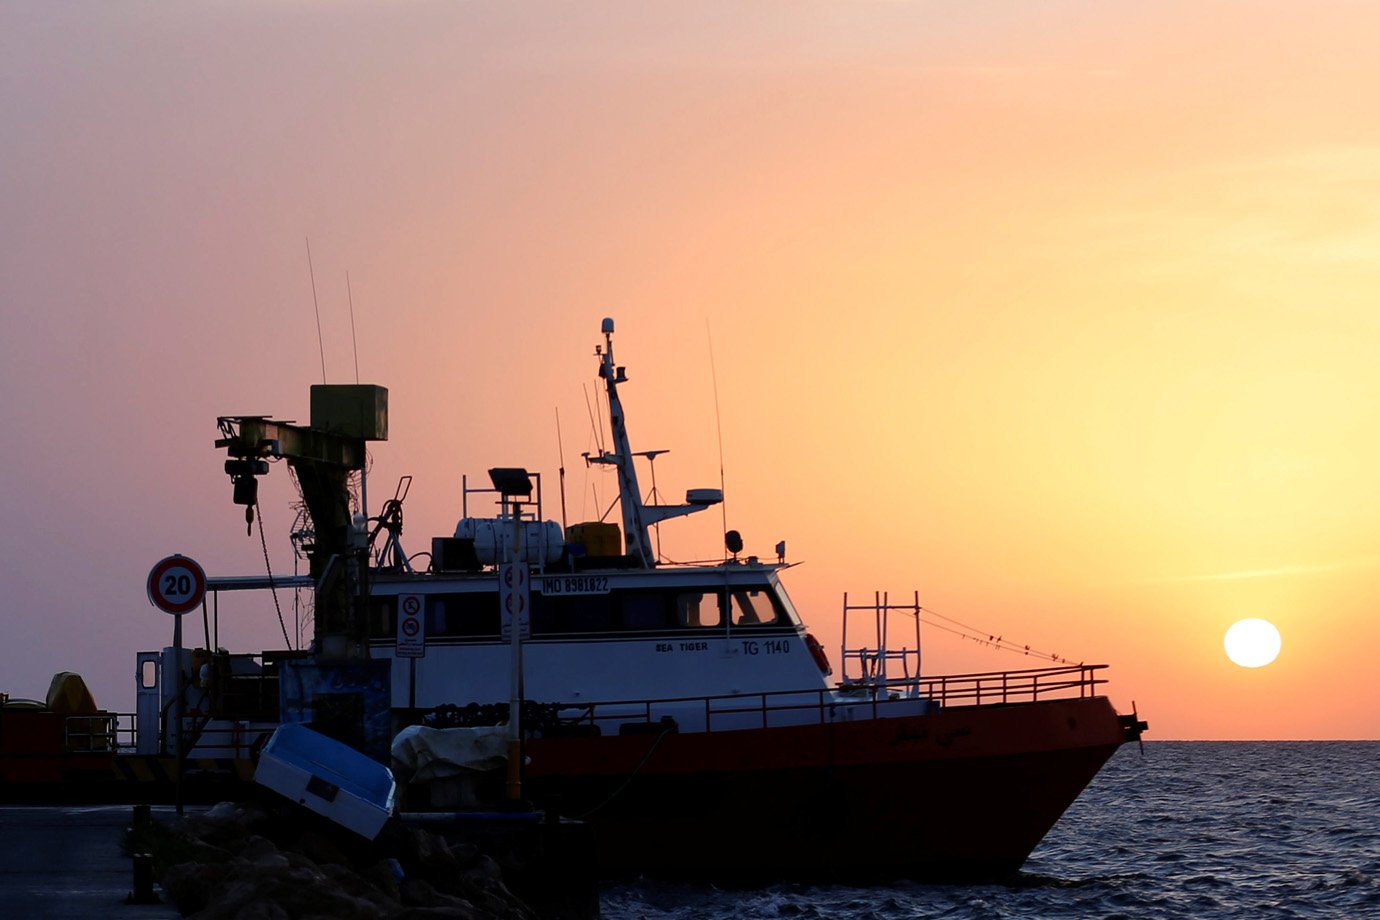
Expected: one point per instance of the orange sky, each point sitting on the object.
(1061, 313)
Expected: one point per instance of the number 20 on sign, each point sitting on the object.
(176, 584)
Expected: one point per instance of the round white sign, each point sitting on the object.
(176, 584)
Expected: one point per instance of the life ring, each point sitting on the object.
(817, 652)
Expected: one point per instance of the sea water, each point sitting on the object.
(1190, 829)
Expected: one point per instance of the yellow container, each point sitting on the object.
(598, 538)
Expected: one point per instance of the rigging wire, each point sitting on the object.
(593, 426)
(560, 449)
(719, 430)
(597, 435)
(631, 776)
(992, 640)
(354, 342)
(320, 341)
(273, 588)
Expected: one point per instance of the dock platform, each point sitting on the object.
(64, 862)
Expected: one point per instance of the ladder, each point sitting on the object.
(877, 664)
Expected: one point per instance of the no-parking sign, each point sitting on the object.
(514, 600)
(411, 626)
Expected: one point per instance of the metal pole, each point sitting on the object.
(515, 698)
(917, 638)
(177, 714)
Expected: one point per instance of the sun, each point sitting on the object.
(1252, 643)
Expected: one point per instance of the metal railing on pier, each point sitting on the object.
(116, 732)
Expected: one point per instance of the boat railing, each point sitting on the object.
(990, 687)
(97, 732)
(117, 732)
(898, 697)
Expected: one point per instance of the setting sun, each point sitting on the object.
(1252, 643)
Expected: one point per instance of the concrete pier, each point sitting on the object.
(64, 863)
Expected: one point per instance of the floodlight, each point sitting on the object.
(511, 480)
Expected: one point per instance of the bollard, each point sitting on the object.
(142, 816)
(143, 881)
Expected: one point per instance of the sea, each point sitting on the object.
(1214, 830)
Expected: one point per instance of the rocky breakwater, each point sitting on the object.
(251, 862)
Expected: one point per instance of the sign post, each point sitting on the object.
(177, 585)
(411, 642)
(514, 600)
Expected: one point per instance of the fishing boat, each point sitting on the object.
(684, 711)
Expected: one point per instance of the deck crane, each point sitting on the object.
(323, 455)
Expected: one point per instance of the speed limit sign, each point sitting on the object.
(176, 584)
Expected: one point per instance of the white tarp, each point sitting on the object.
(422, 754)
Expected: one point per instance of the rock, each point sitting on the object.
(260, 851)
(298, 861)
(358, 886)
(484, 868)
(189, 885)
(217, 830)
(296, 892)
(500, 903)
(434, 853)
(464, 852)
(227, 899)
(242, 863)
(262, 910)
(321, 848)
(385, 875)
(419, 893)
(440, 913)
(428, 850)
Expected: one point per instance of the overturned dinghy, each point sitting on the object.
(328, 777)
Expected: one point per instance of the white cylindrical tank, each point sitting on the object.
(539, 542)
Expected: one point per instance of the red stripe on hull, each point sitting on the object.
(958, 793)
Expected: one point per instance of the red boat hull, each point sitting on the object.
(961, 793)
(37, 758)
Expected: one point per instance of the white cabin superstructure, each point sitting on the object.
(601, 635)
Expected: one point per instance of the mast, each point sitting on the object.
(634, 524)
(637, 517)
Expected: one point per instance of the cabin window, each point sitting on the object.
(436, 617)
(587, 614)
(544, 614)
(446, 615)
(470, 614)
(647, 610)
(751, 608)
(696, 609)
(382, 613)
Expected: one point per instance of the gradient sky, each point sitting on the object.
(1062, 313)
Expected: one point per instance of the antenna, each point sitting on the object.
(593, 425)
(718, 429)
(354, 343)
(320, 342)
(560, 449)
